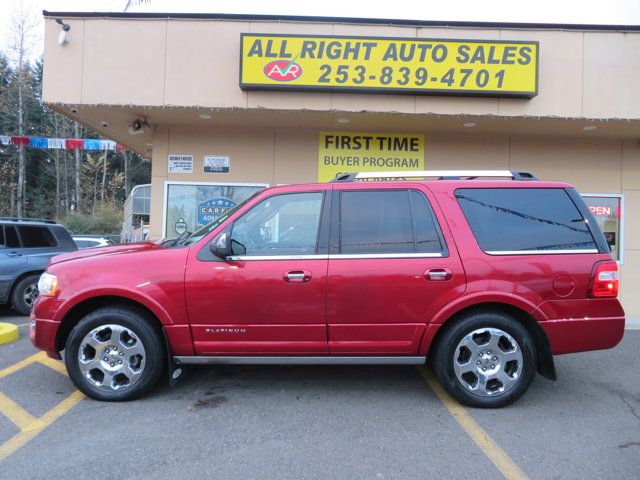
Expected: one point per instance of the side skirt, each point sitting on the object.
(194, 360)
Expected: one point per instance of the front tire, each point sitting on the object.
(24, 294)
(114, 354)
(485, 359)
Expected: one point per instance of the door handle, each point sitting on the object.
(14, 254)
(297, 276)
(438, 274)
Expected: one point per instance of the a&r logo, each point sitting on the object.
(283, 70)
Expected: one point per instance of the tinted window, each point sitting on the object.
(11, 237)
(35, 237)
(382, 222)
(507, 219)
(280, 225)
(427, 234)
(2, 245)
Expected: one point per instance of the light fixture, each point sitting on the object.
(588, 128)
(469, 124)
(342, 120)
(204, 116)
(63, 38)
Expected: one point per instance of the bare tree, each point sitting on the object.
(21, 40)
(133, 3)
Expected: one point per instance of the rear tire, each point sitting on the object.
(114, 354)
(24, 294)
(485, 359)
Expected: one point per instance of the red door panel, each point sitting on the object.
(255, 308)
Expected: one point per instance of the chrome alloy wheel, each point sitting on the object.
(111, 357)
(30, 294)
(488, 362)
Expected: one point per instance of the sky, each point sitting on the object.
(613, 12)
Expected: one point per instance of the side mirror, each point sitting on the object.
(221, 246)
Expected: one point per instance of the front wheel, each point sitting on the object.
(485, 359)
(114, 354)
(24, 294)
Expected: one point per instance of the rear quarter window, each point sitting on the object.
(36, 237)
(511, 220)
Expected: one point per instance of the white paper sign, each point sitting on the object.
(180, 163)
(216, 164)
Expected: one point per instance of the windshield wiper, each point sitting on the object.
(176, 241)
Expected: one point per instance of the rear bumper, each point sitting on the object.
(581, 335)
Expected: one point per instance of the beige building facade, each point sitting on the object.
(168, 87)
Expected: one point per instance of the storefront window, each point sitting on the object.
(192, 205)
(607, 210)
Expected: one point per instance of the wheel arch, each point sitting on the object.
(545, 366)
(82, 308)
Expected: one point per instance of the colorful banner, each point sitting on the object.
(417, 66)
(62, 143)
(348, 152)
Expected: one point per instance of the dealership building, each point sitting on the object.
(225, 105)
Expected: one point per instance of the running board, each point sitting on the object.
(399, 360)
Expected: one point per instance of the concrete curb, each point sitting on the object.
(8, 333)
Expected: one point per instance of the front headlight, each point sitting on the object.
(47, 284)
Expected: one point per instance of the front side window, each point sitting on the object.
(387, 222)
(11, 237)
(36, 237)
(506, 220)
(280, 225)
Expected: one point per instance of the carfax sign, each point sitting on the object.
(346, 152)
(389, 65)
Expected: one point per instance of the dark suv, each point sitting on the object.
(26, 245)
(485, 278)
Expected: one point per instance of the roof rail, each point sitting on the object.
(437, 175)
(15, 219)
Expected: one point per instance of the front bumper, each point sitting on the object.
(43, 331)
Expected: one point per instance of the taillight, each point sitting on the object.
(605, 282)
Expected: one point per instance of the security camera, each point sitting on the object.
(104, 124)
(136, 127)
(74, 110)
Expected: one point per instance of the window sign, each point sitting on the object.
(607, 210)
(190, 205)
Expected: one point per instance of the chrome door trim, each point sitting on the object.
(540, 252)
(348, 360)
(333, 256)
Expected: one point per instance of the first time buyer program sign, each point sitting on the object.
(348, 152)
(389, 65)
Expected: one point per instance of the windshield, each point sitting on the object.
(204, 231)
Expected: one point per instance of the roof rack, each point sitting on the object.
(436, 175)
(15, 219)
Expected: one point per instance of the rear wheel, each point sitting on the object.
(24, 294)
(114, 354)
(485, 359)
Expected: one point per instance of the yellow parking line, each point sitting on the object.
(15, 412)
(56, 365)
(500, 459)
(38, 425)
(21, 364)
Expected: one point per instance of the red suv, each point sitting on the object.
(486, 278)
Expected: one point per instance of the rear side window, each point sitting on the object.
(387, 221)
(507, 220)
(11, 237)
(36, 237)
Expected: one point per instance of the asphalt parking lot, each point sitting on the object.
(306, 422)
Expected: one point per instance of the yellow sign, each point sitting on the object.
(388, 65)
(347, 152)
